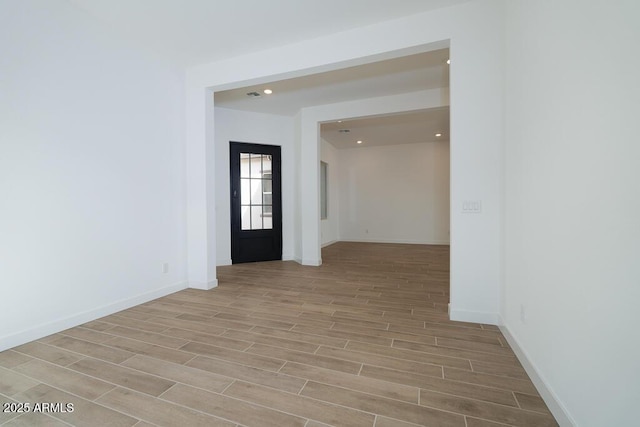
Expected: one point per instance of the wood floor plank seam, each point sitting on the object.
(118, 319)
(142, 341)
(461, 395)
(411, 353)
(116, 385)
(85, 355)
(241, 400)
(154, 347)
(485, 402)
(328, 359)
(497, 381)
(66, 391)
(374, 397)
(133, 414)
(300, 391)
(297, 411)
(516, 398)
(339, 404)
(40, 358)
(360, 391)
(221, 394)
(493, 423)
(385, 357)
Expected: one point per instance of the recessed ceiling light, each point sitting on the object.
(359, 142)
(268, 91)
(438, 135)
(448, 61)
(339, 121)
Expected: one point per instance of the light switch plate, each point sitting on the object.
(472, 206)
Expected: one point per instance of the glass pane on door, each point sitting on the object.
(245, 191)
(256, 218)
(266, 164)
(244, 165)
(256, 184)
(256, 191)
(245, 212)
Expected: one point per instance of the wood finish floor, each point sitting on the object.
(363, 340)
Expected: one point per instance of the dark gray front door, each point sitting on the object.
(256, 202)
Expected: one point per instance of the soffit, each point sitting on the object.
(395, 76)
(407, 128)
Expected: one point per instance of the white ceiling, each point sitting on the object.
(408, 128)
(401, 75)
(190, 32)
(407, 74)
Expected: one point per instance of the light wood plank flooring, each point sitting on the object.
(363, 340)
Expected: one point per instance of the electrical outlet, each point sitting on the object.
(165, 267)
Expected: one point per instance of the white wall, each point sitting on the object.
(310, 119)
(573, 203)
(256, 128)
(91, 172)
(329, 227)
(395, 194)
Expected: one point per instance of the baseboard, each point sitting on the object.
(556, 407)
(324, 245)
(205, 286)
(308, 261)
(396, 241)
(474, 316)
(59, 325)
(224, 262)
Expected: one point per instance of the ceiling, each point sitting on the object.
(407, 74)
(401, 75)
(190, 32)
(408, 128)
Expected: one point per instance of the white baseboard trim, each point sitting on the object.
(59, 325)
(205, 286)
(223, 262)
(315, 262)
(556, 407)
(324, 245)
(474, 316)
(308, 261)
(397, 241)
